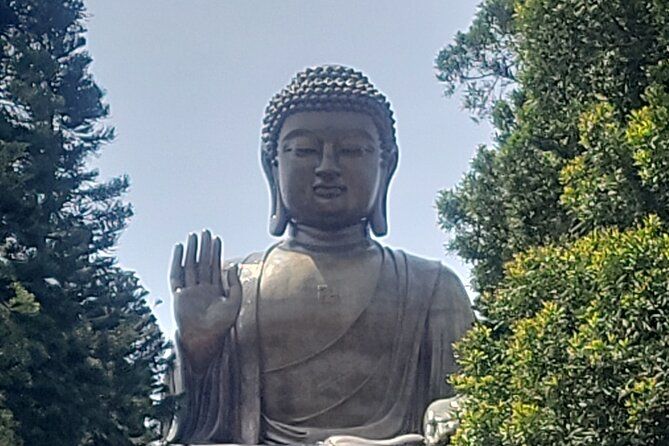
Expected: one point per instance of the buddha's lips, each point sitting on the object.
(328, 191)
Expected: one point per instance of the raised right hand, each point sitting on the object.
(203, 308)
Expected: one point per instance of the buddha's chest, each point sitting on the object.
(307, 301)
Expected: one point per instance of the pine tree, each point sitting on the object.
(566, 222)
(80, 353)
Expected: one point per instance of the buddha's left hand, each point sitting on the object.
(440, 421)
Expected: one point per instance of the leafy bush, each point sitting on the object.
(566, 223)
(576, 347)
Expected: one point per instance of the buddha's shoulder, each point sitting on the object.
(254, 258)
(425, 267)
(440, 281)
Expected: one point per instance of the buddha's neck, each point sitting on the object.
(302, 237)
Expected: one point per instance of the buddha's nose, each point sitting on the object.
(328, 168)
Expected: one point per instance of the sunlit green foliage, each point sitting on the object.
(570, 57)
(575, 348)
(566, 223)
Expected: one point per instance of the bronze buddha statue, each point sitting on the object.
(328, 332)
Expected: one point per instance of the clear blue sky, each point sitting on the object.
(188, 80)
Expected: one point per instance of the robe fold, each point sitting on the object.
(421, 302)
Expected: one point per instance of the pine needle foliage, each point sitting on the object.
(81, 355)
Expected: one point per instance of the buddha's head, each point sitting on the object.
(329, 151)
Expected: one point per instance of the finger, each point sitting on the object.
(190, 271)
(235, 292)
(204, 263)
(176, 270)
(216, 272)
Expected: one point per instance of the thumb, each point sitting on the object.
(235, 291)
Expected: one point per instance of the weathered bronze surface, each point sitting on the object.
(327, 335)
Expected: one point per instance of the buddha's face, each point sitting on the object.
(329, 168)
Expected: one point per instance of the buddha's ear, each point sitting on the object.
(279, 218)
(378, 221)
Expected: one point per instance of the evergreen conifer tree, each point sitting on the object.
(81, 356)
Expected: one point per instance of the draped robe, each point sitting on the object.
(421, 302)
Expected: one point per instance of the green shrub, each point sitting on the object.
(576, 347)
(565, 221)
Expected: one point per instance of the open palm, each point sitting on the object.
(205, 308)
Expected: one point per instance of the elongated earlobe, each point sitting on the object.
(279, 217)
(378, 222)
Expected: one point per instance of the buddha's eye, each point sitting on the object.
(305, 151)
(352, 151)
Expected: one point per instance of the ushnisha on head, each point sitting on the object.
(329, 88)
